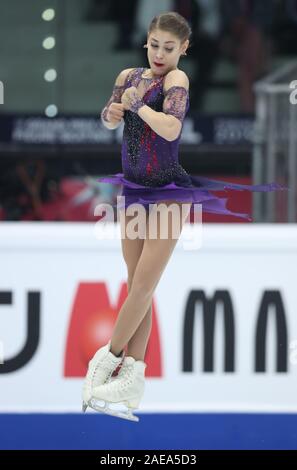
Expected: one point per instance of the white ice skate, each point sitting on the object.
(100, 370)
(125, 390)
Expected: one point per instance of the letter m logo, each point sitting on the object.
(197, 302)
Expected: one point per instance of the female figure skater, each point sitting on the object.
(153, 103)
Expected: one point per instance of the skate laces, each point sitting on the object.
(126, 375)
(102, 367)
(124, 379)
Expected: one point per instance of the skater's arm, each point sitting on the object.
(113, 112)
(160, 123)
(168, 123)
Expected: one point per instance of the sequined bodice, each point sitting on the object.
(151, 161)
(148, 158)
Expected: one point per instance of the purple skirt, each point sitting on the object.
(199, 192)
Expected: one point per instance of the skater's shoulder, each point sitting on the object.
(123, 75)
(176, 77)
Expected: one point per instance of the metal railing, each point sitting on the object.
(275, 145)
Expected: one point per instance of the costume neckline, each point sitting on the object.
(144, 69)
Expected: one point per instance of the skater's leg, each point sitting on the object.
(132, 249)
(154, 257)
(104, 362)
(138, 342)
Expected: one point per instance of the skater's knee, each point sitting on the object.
(129, 282)
(130, 279)
(142, 287)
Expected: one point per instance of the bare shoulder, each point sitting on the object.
(176, 78)
(121, 78)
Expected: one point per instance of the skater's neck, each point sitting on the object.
(149, 75)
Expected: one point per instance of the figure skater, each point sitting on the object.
(153, 103)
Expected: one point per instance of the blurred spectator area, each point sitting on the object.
(86, 45)
(95, 40)
(40, 189)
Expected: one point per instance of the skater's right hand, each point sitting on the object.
(115, 112)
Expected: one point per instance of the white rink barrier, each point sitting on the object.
(224, 336)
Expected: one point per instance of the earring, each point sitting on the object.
(145, 46)
(184, 53)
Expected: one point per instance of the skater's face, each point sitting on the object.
(164, 51)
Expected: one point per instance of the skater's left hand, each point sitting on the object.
(131, 99)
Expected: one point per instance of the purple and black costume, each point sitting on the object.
(151, 170)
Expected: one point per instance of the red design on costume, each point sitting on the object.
(155, 159)
(145, 137)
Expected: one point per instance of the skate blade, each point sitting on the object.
(84, 407)
(117, 413)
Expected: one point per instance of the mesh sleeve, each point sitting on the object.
(175, 102)
(116, 96)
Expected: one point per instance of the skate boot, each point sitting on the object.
(100, 370)
(126, 389)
